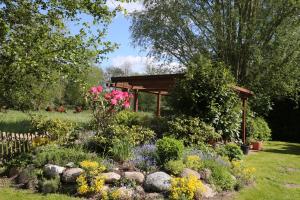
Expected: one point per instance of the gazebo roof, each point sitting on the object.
(158, 83)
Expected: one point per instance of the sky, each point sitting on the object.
(118, 32)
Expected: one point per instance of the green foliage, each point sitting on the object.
(221, 176)
(21, 161)
(231, 150)
(261, 50)
(206, 92)
(128, 118)
(192, 130)
(169, 149)
(49, 185)
(61, 156)
(121, 149)
(174, 167)
(193, 162)
(136, 134)
(58, 129)
(258, 129)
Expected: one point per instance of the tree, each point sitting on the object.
(258, 40)
(38, 52)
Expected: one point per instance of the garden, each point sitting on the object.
(194, 153)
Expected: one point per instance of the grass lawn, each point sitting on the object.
(17, 121)
(12, 194)
(277, 173)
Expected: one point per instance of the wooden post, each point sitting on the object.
(158, 104)
(136, 101)
(244, 99)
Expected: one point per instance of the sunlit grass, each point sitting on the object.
(276, 167)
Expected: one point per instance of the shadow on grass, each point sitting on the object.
(15, 127)
(289, 148)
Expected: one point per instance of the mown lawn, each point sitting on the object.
(17, 121)
(277, 173)
(12, 194)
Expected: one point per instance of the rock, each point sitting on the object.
(136, 176)
(154, 196)
(70, 175)
(186, 172)
(139, 193)
(209, 192)
(53, 170)
(14, 172)
(205, 174)
(111, 177)
(158, 182)
(70, 165)
(125, 193)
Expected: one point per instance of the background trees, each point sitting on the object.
(39, 55)
(258, 40)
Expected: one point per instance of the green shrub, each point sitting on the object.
(169, 149)
(193, 162)
(192, 130)
(205, 92)
(136, 134)
(21, 160)
(158, 124)
(174, 167)
(259, 129)
(128, 118)
(58, 155)
(121, 150)
(57, 128)
(231, 150)
(50, 186)
(221, 176)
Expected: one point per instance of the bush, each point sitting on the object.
(121, 149)
(49, 186)
(61, 156)
(221, 176)
(205, 92)
(259, 129)
(128, 118)
(192, 130)
(174, 167)
(169, 149)
(193, 162)
(57, 128)
(231, 150)
(21, 160)
(244, 175)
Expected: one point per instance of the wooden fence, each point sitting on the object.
(12, 144)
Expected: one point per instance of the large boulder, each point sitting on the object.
(158, 182)
(125, 193)
(154, 196)
(111, 177)
(135, 176)
(209, 192)
(53, 170)
(70, 175)
(186, 172)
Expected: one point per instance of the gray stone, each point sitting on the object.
(111, 177)
(53, 170)
(158, 182)
(125, 193)
(186, 172)
(70, 175)
(154, 196)
(209, 192)
(205, 174)
(135, 176)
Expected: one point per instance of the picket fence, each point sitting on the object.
(12, 144)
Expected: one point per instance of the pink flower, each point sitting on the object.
(99, 88)
(126, 104)
(113, 102)
(107, 96)
(93, 90)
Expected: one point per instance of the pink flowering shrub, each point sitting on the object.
(105, 105)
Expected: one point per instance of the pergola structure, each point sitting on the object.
(161, 85)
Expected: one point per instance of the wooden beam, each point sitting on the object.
(135, 101)
(158, 104)
(244, 119)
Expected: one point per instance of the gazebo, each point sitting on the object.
(161, 85)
